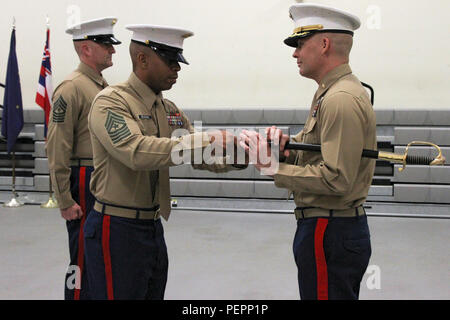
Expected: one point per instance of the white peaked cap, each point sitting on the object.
(99, 30)
(165, 41)
(311, 18)
(169, 36)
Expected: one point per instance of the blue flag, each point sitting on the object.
(12, 118)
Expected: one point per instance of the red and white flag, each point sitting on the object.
(45, 87)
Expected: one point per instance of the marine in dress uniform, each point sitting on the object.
(332, 242)
(131, 128)
(69, 147)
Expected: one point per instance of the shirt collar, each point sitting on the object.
(143, 90)
(331, 78)
(92, 74)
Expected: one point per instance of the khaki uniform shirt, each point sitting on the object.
(342, 120)
(129, 149)
(68, 134)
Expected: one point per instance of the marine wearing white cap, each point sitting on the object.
(313, 18)
(135, 134)
(97, 30)
(331, 186)
(69, 147)
(167, 42)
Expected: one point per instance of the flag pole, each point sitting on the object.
(13, 203)
(51, 202)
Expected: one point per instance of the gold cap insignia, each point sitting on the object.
(300, 30)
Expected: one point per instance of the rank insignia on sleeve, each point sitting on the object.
(59, 110)
(116, 127)
(174, 119)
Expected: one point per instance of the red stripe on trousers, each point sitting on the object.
(107, 257)
(321, 263)
(82, 200)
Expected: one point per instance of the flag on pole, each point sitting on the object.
(12, 117)
(45, 87)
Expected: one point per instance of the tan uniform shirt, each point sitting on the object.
(129, 147)
(68, 134)
(342, 120)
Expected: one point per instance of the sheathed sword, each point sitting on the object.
(381, 155)
(404, 159)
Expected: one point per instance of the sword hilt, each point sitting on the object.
(405, 158)
(438, 160)
(423, 160)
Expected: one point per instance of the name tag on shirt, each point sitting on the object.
(145, 116)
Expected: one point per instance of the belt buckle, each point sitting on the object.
(299, 214)
(157, 214)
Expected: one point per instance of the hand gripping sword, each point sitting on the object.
(381, 155)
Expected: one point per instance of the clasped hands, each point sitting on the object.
(222, 139)
(264, 155)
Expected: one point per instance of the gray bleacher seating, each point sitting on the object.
(395, 129)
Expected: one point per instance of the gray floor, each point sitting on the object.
(218, 255)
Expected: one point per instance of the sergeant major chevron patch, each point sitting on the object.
(116, 126)
(59, 110)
